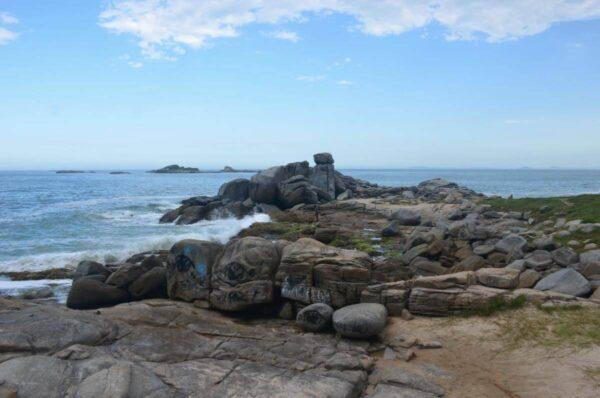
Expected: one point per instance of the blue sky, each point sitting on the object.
(139, 84)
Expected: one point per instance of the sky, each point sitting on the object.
(137, 84)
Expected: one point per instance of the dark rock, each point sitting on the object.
(125, 275)
(323, 158)
(322, 176)
(326, 235)
(85, 268)
(315, 317)
(236, 190)
(406, 217)
(360, 320)
(169, 216)
(192, 214)
(88, 293)
(151, 284)
(566, 281)
(263, 186)
(392, 229)
(189, 269)
(175, 169)
(243, 275)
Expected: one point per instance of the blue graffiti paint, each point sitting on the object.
(201, 269)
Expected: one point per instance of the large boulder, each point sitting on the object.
(501, 278)
(243, 275)
(360, 320)
(192, 214)
(189, 269)
(566, 281)
(406, 217)
(297, 190)
(323, 177)
(235, 190)
(590, 264)
(565, 256)
(151, 284)
(511, 244)
(86, 268)
(443, 302)
(87, 293)
(315, 317)
(263, 187)
(125, 275)
(312, 272)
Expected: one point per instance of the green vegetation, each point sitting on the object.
(581, 207)
(582, 237)
(356, 242)
(553, 327)
(279, 230)
(498, 304)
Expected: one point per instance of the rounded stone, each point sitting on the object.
(315, 317)
(360, 320)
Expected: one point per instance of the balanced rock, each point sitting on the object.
(315, 317)
(243, 275)
(360, 320)
(566, 281)
(323, 158)
(189, 269)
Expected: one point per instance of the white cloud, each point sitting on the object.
(162, 25)
(284, 35)
(7, 35)
(345, 83)
(311, 78)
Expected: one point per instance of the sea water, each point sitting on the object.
(50, 220)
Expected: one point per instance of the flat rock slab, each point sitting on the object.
(162, 348)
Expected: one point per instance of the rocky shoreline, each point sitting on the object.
(297, 306)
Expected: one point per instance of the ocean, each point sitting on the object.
(50, 220)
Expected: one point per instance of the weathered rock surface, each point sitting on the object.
(189, 269)
(406, 217)
(315, 317)
(360, 320)
(437, 302)
(590, 264)
(567, 281)
(235, 190)
(89, 293)
(159, 348)
(243, 275)
(311, 272)
(501, 278)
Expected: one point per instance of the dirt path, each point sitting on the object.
(476, 362)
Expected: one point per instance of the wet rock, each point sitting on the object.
(85, 268)
(566, 281)
(243, 275)
(151, 284)
(235, 190)
(88, 293)
(125, 275)
(192, 214)
(360, 320)
(189, 269)
(315, 317)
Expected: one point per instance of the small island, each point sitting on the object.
(119, 172)
(175, 169)
(72, 172)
